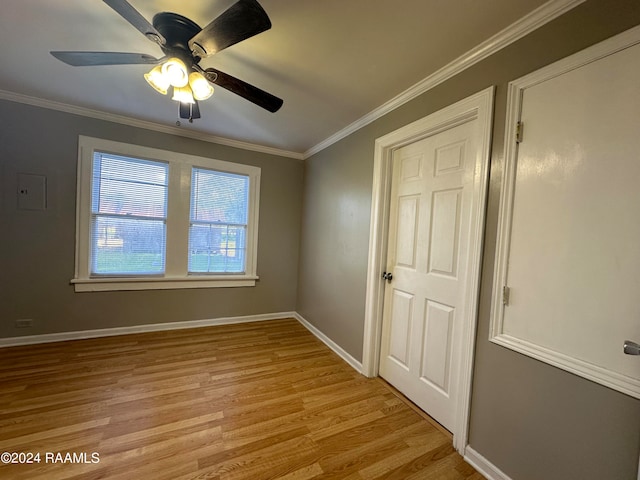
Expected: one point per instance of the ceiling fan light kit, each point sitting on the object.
(200, 86)
(183, 95)
(184, 45)
(175, 71)
(157, 80)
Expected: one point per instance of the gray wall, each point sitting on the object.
(37, 248)
(533, 421)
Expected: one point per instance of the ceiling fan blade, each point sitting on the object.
(82, 59)
(249, 92)
(242, 20)
(190, 111)
(131, 15)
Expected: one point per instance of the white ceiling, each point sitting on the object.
(332, 61)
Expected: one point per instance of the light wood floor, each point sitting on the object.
(251, 401)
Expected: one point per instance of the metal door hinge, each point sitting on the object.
(505, 295)
(519, 129)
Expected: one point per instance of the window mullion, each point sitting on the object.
(178, 219)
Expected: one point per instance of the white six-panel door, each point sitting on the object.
(428, 247)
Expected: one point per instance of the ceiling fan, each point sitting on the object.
(184, 45)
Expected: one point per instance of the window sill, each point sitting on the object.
(161, 283)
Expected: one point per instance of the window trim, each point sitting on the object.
(178, 214)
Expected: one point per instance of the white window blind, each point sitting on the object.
(128, 216)
(218, 222)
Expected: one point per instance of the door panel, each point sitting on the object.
(449, 158)
(411, 167)
(407, 230)
(445, 231)
(401, 326)
(437, 345)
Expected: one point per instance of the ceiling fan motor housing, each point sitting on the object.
(177, 30)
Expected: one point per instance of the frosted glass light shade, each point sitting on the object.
(200, 86)
(175, 71)
(183, 94)
(157, 80)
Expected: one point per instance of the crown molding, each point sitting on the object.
(530, 22)
(527, 24)
(156, 127)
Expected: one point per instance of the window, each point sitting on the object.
(149, 218)
(128, 215)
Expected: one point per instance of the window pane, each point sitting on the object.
(219, 197)
(128, 206)
(216, 248)
(127, 246)
(219, 212)
(128, 186)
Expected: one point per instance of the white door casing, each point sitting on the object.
(473, 114)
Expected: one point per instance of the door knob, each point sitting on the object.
(387, 276)
(631, 348)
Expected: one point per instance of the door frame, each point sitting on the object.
(476, 107)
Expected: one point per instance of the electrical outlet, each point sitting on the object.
(24, 323)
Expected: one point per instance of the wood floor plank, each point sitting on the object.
(252, 401)
(406, 456)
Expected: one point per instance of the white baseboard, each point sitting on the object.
(154, 327)
(484, 466)
(342, 353)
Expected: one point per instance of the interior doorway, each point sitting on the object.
(470, 117)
